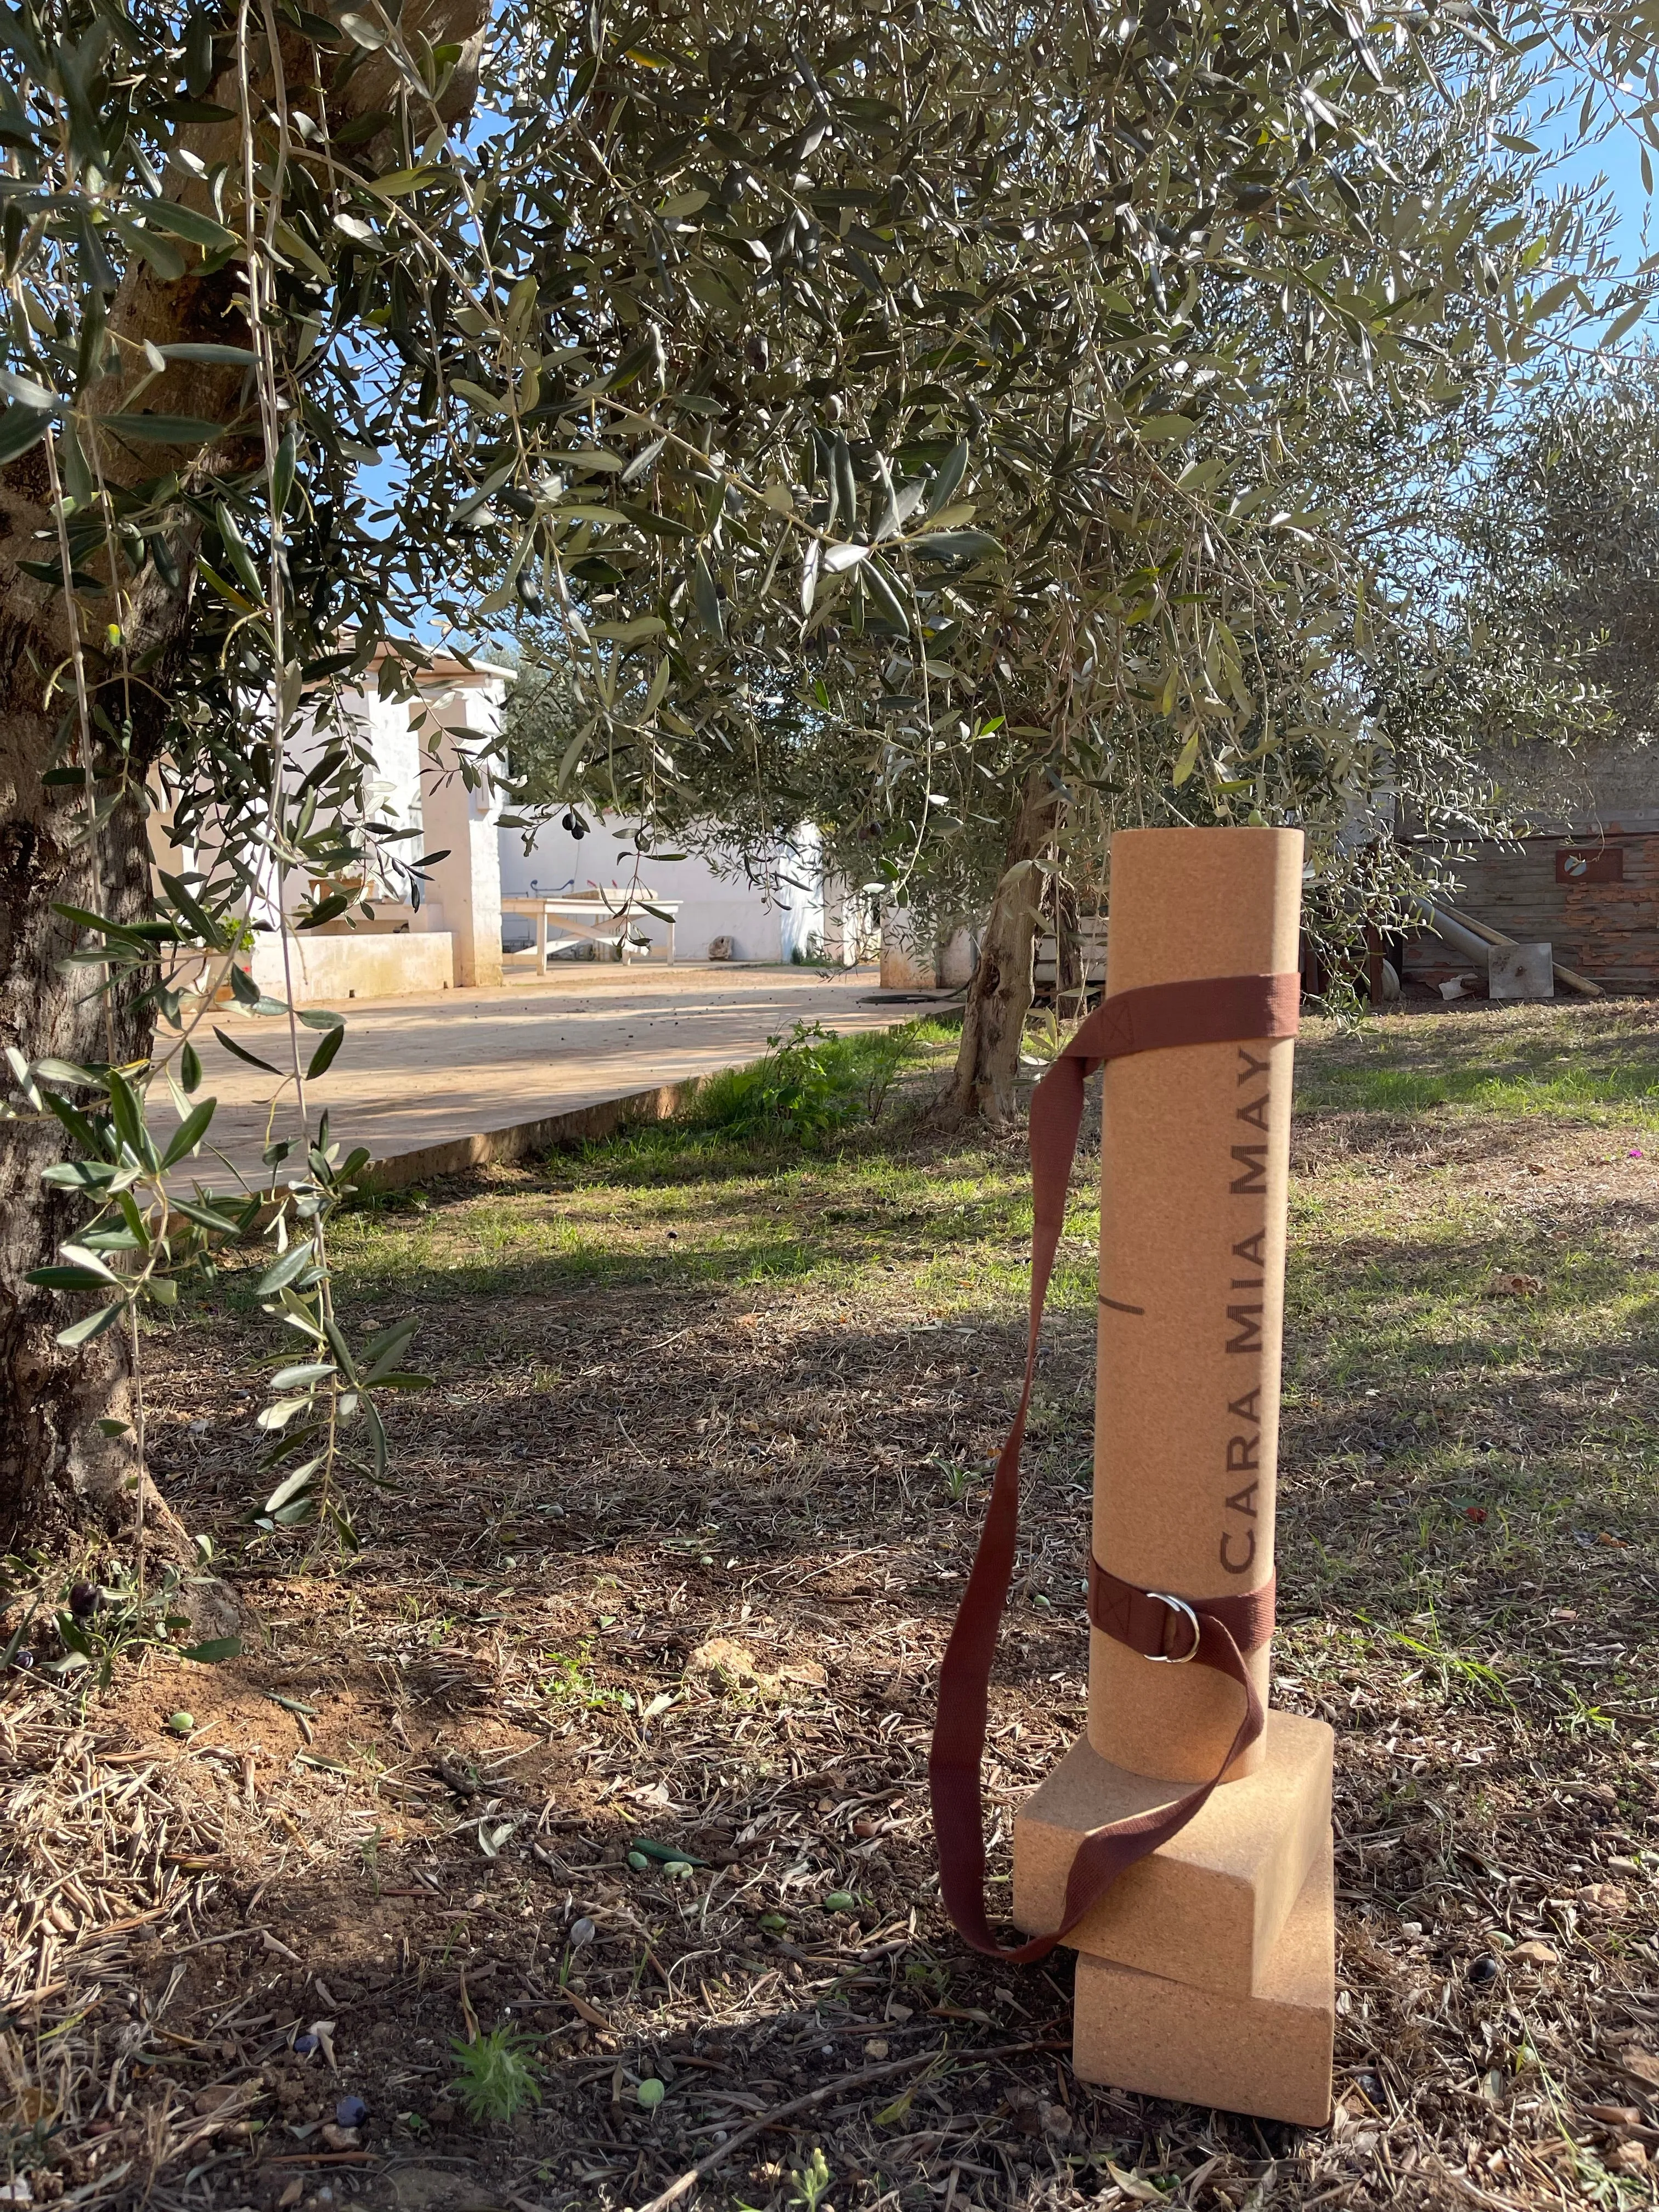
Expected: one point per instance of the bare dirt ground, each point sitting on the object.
(673, 1549)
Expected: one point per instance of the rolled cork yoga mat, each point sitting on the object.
(1195, 1168)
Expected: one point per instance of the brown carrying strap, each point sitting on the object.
(1219, 1009)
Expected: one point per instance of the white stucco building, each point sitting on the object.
(782, 917)
(422, 800)
(416, 790)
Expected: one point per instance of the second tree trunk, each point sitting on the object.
(999, 995)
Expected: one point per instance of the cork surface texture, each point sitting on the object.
(1208, 1907)
(1194, 1176)
(1268, 2054)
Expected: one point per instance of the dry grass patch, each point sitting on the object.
(614, 1737)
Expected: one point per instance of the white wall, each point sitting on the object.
(391, 794)
(852, 924)
(413, 789)
(767, 921)
(371, 965)
(466, 885)
(408, 787)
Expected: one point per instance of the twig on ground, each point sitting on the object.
(689, 2180)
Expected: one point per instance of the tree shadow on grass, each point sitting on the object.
(1471, 1452)
(432, 1766)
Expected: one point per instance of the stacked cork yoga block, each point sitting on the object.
(1205, 1973)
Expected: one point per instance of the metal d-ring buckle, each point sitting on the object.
(1181, 1658)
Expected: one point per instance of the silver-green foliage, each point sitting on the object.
(950, 393)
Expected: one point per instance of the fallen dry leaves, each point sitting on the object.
(692, 1599)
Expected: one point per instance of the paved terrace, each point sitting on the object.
(434, 1086)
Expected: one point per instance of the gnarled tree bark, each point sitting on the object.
(999, 995)
(56, 1467)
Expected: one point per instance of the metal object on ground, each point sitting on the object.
(1521, 971)
(1484, 935)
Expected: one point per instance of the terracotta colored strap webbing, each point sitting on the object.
(1155, 1626)
(1219, 1009)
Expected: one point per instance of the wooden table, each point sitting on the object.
(592, 918)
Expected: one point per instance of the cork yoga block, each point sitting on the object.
(1195, 1175)
(1209, 1907)
(1267, 2054)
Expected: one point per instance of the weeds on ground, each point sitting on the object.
(497, 2079)
(809, 1085)
(812, 2181)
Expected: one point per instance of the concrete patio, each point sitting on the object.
(434, 1086)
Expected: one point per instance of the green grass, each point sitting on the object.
(699, 1200)
(1586, 1062)
(1446, 1449)
(1446, 1442)
(956, 1230)
(1402, 1266)
(1463, 1462)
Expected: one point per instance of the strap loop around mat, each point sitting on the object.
(1216, 1010)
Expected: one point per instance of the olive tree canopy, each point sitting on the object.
(912, 394)
(957, 474)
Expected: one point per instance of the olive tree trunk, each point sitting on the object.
(57, 1467)
(54, 1460)
(999, 995)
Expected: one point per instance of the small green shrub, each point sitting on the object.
(812, 2182)
(809, 1084)
(497, 2077)
(801, 1089)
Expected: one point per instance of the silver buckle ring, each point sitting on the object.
(1181, 1658)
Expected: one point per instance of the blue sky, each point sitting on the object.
(1618, 159)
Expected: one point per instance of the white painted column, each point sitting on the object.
(906, 964)
(463, 823)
